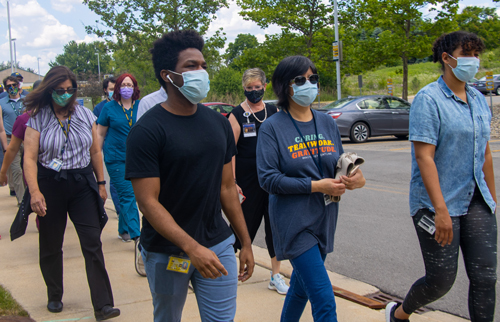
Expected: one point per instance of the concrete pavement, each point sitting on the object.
(20, 274)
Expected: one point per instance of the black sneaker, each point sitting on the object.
(55, 306)
(12, 193)
(389, 312)
(107, 312)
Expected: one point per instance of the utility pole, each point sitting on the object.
(336, 22)
(10, 38)
(15, 55)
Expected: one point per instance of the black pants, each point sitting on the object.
(80, 201)
(256, 205)
(476, 235)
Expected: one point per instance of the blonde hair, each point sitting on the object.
(252, 75)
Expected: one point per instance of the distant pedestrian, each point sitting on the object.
(452, 186)
(11, 107)
(114, 124)
(62, 156)
(20, 78)
(148, 101)
(179, 161)
(108, 87)
(297, 154)
(250, 115)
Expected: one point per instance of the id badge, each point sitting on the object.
(177, 264)
(328, 200)
(56, 164)
(249, 130)
(427, 224)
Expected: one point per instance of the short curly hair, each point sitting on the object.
(166, 50)
(448, 43)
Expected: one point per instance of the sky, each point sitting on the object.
(42, 27)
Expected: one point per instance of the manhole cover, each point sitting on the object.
(386, 298)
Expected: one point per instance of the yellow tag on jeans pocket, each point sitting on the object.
(177, 264)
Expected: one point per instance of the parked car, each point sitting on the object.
(361, 117)
(480, 85)
(222, 108)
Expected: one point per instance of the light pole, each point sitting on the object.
(38, 58)
(98, 67)
(10, 38)
(15, 56)
(336, 22)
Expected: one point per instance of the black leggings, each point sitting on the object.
(476, 234)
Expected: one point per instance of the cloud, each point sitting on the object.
(64, 5)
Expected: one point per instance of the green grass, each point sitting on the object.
(9, 306)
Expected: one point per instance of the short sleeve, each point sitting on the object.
(104, 116)
(143, 151)
(231, 145)
(88, 116)
(424, 120)
(19, 127)
(35, 122)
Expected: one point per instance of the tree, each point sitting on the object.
(6, 65)
(305, 17)
(407, 32)
(81, 58)
(236, 48)
(484, 22)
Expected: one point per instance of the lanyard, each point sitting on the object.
(66, 132)
(17, 111)
(318, 163)
(131, 114)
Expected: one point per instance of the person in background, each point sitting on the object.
(3, 93)
(148, 101)
(179, 161)
(114, 124)
(108, 87)
(250, 115)
(297, 154)
(62, 162)
(11, 107)
(449, 120)
(20, 79)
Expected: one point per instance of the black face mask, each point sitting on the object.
(254, 96)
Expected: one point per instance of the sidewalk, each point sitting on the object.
(20, 274)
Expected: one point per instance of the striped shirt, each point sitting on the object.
(77, 152)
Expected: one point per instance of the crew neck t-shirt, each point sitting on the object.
(299, 219)
(187, 153)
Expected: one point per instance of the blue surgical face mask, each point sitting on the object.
(466, 69)
(196, 85)
(61, 100)
(110, 94)
(305, 94)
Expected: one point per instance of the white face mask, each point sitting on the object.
(196, 85)
(20, 85)
(466, 69)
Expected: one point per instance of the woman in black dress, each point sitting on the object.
(245, 120)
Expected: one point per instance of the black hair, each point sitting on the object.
(36, 84)
(288, 69)
(448, 43)
(106, 82)
(166, 50)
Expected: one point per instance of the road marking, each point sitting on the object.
(384, 190)
(494, 141)
(399, 149)
(495, 151)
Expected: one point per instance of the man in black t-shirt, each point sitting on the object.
(179, 161)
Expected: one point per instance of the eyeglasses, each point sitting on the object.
(301, 80)
(61, 91)
(127, 85)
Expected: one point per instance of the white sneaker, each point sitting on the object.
(139, 264)
(278, 283)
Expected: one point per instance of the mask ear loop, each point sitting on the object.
(172, 82)
(453, 58)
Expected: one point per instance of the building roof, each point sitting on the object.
(28, 77)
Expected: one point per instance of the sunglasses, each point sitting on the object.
(301, 80)
(61, 91)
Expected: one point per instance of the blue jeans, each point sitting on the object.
(128, 221)
(216, 297)
(310, 281)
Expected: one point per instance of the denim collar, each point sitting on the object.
(449, 93)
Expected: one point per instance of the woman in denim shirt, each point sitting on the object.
(453, 182)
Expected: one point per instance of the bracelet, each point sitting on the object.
(101, 182)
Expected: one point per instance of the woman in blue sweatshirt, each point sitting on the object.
(303, 219)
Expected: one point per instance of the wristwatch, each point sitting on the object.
(101, 182)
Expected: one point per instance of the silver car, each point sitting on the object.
(361, 117)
